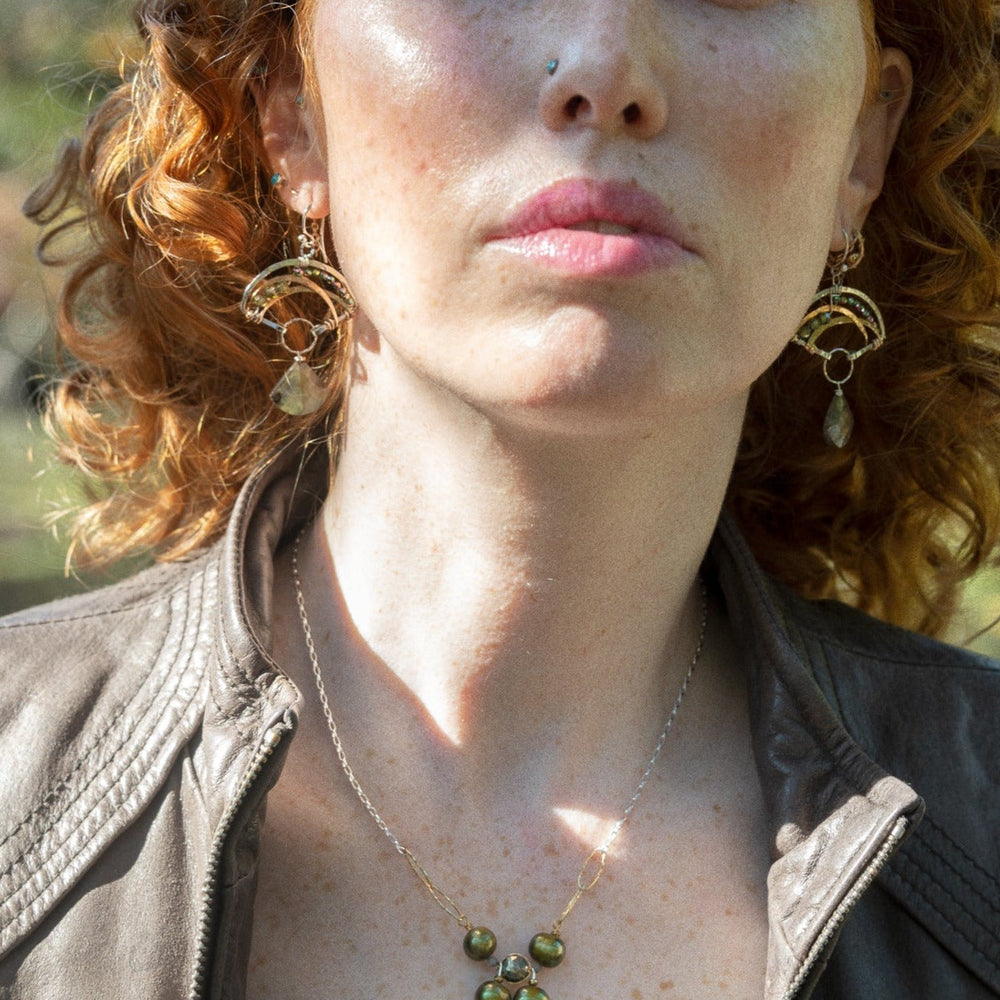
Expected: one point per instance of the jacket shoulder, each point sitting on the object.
(923, 708)
(928, 712)
(98, 693)
(920, 710)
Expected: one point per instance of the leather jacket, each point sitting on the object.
(141, 727)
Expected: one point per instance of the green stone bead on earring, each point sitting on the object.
(480, 943)
(547, 950)
(492, 990)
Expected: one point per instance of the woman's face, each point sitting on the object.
(629, 237)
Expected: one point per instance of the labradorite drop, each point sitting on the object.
(480, 943)
(531, 993)
(299, 390)
(547, 950)
(839, 421)
(492, 990)
(514, 969)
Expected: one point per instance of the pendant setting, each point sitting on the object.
(514, 970)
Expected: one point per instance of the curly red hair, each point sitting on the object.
(897, 520)
(165, 401)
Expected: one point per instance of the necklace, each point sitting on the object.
(547, 949)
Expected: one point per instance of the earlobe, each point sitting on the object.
(292, 147)
(876, 131)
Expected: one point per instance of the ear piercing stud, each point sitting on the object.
(551, 66)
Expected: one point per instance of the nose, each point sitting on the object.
(609, 75)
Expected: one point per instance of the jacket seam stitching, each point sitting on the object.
(160, 597)
(237, 577)
(22, 916)
(979, 869)
(881, 658)
(167, 675)
(62, 783)
(906, 861)
(242, 676)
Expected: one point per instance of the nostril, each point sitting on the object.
(573, 105)
(631, 114)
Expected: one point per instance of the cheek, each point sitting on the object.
(790, 112)
(406, 111)
(785, 131)
(404, 80)
(779, 140)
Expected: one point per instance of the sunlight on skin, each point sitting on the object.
(590, 829)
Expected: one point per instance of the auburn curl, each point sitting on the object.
(163, 401)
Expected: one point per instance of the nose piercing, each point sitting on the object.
(551, 66)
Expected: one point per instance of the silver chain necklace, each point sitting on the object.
(547, 949)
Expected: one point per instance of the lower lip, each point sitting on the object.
(599, 255)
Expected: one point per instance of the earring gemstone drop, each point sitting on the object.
(299, 391)
(839, 421)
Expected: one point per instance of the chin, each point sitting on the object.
(602, 405)
(583, 374)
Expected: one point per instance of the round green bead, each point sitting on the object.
(480, 943)
(492, 990)
(547, 950)
(531, 993)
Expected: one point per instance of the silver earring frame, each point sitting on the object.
(300, 391)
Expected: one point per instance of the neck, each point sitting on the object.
(497, 572)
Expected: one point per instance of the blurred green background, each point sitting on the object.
(55, 61)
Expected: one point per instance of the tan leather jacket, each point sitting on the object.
(141, 726)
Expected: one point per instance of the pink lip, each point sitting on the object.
(539, 230)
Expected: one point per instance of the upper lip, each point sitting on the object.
(579, 201)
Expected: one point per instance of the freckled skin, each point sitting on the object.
(470, 572)
(454, 131)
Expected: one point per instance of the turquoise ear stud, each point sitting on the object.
(551, 66)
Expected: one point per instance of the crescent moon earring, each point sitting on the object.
(836, 308)
(300, 390)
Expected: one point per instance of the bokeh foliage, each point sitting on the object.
(55, 60)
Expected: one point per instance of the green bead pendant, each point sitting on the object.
(531, 993)
(492, 990)
(515, 969)
(547, 950)
(480, 943)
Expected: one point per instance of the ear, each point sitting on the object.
(874, 137)
(291, 138)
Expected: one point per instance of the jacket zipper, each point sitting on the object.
(847, 904)
(268, 744)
